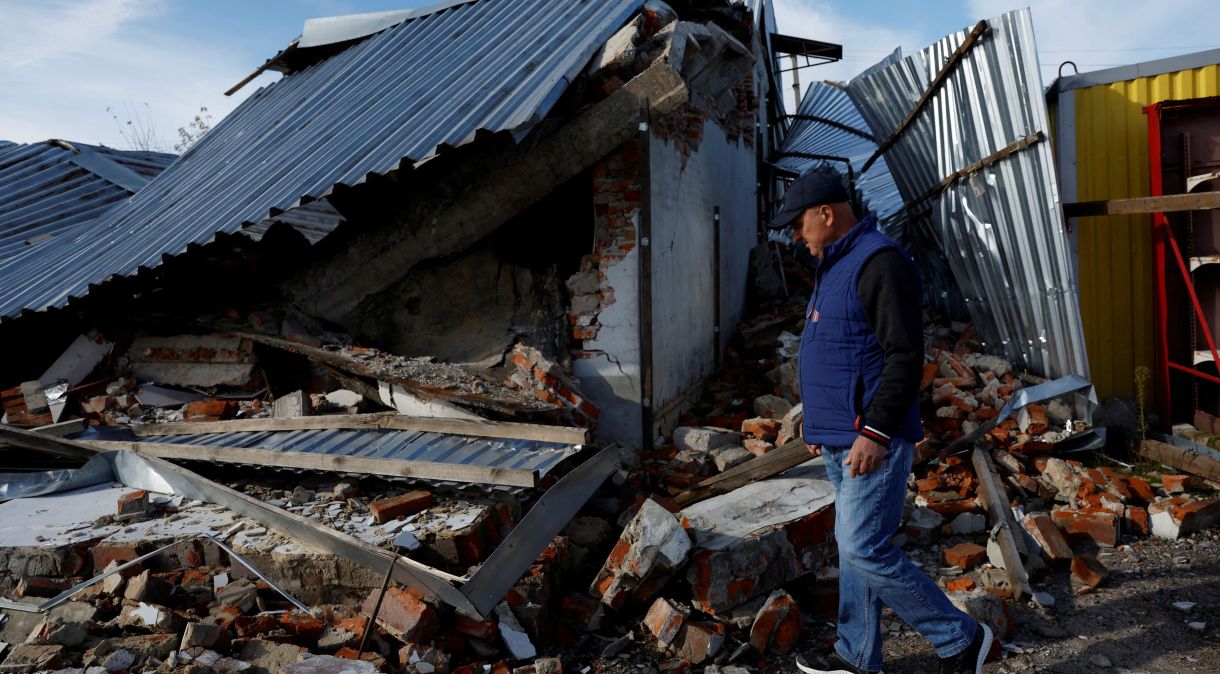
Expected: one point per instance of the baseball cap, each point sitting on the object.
(812, 189)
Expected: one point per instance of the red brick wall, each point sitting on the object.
(683, 128)
(616, 204)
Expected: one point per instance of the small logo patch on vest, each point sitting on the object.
(816, 315)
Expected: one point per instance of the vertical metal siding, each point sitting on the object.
(1001, 230)
(1115, 253)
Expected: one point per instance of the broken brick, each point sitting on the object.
(1099, 526)
(209, 410)
(1176, 484)
(1088, 571)
(404, 613)
(1137, 520)
(699, 642)
(1042, 529)
(757, 447)
(961, 585)
(664, 619)
(387, 509)
(776, 625)
(966, 555)
(761, 428)
(652, 546)
(133, 503)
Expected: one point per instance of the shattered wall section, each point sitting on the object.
(604, 314)
(684, 128)
(466, 309)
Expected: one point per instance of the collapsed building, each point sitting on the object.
(460, 345)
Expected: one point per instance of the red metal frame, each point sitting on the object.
(1162, 238)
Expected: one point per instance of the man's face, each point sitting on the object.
(814, 228)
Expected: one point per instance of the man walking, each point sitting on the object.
(861, 359)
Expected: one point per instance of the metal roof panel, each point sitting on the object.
(488, 65)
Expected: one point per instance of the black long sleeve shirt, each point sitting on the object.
(888, 287)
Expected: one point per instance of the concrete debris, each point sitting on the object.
(771, 407)
(652, 546)
(968, 523)
(202, 361)
(986, 607)
(756, 538)
(513, 634)
(704, 439)
(328, 664)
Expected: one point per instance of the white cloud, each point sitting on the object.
(70, 61)
(1098, 34)
(864, 42)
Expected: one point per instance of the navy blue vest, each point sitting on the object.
(840, 358)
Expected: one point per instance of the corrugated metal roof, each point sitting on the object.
(388, 101)
(399, 445)
(822, 126)
(1134, 71)
(1002, 229)
(51, 187)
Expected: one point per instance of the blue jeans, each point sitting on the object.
(872, 570)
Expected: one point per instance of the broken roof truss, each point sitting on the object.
(477, 593)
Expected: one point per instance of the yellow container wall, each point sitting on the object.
(1115, 253)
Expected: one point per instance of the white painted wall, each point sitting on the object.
(720, 173)
(612, 381)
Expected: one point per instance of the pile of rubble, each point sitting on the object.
(266, 367)
(713, 551)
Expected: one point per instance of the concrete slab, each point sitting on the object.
(758, 537)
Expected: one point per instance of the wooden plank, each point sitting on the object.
(63, 428)
(774, 462)
(1194, 463)
(1011, 545)
(47, 444)
(1169, 203)
(568, 435)
(423, 470)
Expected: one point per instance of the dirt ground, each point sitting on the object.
(1129, 624)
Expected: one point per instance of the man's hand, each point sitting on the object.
(865, 456)
(815, 450)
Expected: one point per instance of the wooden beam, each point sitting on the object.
(466, 208)
(1002, 522)
(63, 428)
(1169, 203)
(1005, 152)
(1195, 463)
(423, 470)
(47, 444)
(945, 71)
(567, 435)
(791, 455)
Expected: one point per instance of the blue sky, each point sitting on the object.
(64, 62)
